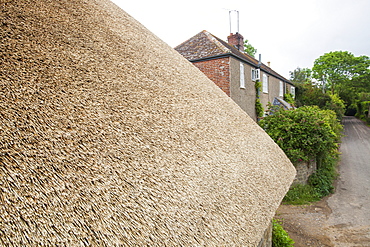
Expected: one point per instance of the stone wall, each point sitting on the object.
(304, 170)
(266, 240)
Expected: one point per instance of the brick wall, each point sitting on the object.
(218, 71)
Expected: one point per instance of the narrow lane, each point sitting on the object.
(350, 205)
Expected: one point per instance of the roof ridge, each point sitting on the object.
(222, 47)
(216, 41)
(248, 57)
(187, 40)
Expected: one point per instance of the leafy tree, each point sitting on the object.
(309, 94)
(249, 49)
(299, 75)
(344, 75)
(341, 70)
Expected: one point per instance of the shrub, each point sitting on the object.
(302, 133)
(289, 98)
(337, 105)
(322, 180)
(309, 94)
(280, 237)
(363, 111)
(305, 133)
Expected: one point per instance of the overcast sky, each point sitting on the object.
(288, 33)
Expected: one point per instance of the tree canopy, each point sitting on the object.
(337, 77)
(340, 71)
(301, 75)
(249, 49)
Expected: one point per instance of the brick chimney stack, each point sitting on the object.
(236, 40)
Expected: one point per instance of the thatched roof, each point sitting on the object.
(110, 137)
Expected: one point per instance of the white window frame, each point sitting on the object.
(292, 91)
(242, 77)
(265, 83)
(281, 89)
(255, 74)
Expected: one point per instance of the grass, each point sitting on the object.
(301, 194)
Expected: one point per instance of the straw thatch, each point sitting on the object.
(110, 137)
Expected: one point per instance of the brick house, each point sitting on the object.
(234, 71)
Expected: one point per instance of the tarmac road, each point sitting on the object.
(350, 205)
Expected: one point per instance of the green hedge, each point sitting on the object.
(303, 133)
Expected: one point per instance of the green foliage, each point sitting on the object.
(320, 183)
(336, 104)
(322, 180)
(258, 104)
(257, 86)
(343, 74)
(301, 194)
(289, 98)
(249, 49)
(280, 237)
(301, 133)
(259, 108)
(330, 117)
(337, 68)
(299, 75)
(309, 94)
(363, 107)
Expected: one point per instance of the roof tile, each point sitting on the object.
(205, 45)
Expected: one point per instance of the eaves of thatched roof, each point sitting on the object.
(110, 137)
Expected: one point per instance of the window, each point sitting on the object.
(265, 84)
(242, 79)
(281, 89)
(292, 91)
(255, 74)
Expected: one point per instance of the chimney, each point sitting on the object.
(259, 61)
(268, 64)
(236, 40)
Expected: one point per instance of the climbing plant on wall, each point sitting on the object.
(258, 104)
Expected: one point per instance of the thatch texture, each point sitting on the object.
(110, 137)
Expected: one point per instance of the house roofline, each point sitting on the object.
(230, 54)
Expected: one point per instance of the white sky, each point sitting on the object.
(288, 33)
